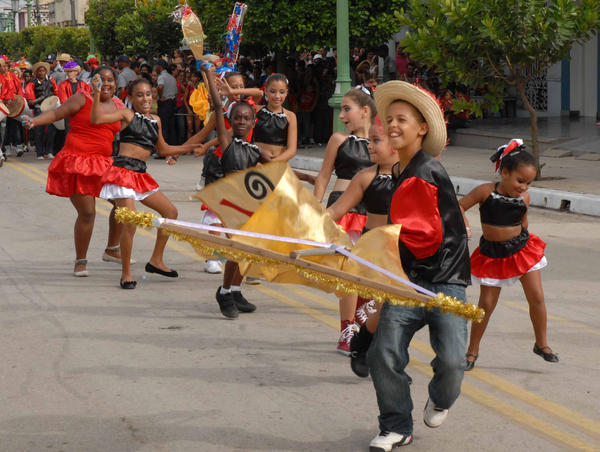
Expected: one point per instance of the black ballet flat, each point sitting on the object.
(550, 356)
(152, 269)
(128, 284)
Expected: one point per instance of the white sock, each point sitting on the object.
(223, 291)
(236, 289)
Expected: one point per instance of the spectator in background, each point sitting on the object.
(126, 74)
(167, 92)
(71, 86)
(307, 101)
(402, 61)
(36, 92)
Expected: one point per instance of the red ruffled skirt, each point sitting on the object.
(140, 182)
(353, 222)
(77, 173)
(503, 263)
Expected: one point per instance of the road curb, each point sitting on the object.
(545, 198)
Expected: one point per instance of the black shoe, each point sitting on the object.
(548, 356)
(359, 345)
(152, 269)
(241, 303)
(227, 304)
(471, 364)
(128, 284)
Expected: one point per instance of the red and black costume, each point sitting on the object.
(378, 195)
(66, 89)
(503, 263)
(352, 157)
(433, 239)
(127, 177)
(79, 166)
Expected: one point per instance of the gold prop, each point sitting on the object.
(193, 32)
(319, 275)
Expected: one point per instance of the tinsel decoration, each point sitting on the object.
(207, 247)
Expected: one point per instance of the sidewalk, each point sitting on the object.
(568, 184)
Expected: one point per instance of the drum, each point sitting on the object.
(3, 111)
(17, 107)
(52, 103)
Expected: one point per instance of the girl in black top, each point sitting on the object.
(347, 153)
(127, 181)
(507, 252)
(238, 154)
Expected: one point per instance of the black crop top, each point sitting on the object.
(141, 131)
(378, 195)
(239, 155)
(352, 156)
(271, 128)
(500, 210)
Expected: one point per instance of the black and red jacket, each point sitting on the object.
(433, 238)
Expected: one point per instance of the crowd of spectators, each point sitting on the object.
(177, 86)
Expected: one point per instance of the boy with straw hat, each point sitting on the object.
(434, 254)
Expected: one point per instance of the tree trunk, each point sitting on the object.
(534, 129)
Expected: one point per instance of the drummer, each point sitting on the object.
(36, 92)
(11, 87)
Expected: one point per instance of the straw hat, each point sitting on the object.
(64, 57)
(422, 100)
(40, 64)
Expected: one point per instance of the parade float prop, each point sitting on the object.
(276, 229)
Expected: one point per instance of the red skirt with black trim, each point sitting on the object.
(503, 263)
(77, 173)
(140, 182)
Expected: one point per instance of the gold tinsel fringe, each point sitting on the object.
(443, 302)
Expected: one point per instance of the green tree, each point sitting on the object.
(38, 42)
(491, 44)
(292, 25)
(101, 17)
(150, 29)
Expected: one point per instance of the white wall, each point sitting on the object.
(584, 78)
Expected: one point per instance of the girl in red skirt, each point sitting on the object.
(77, 170)
(127, 181)
(347, 154)
(507, 252)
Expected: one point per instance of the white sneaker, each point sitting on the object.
(20, 150)
(41, 157)
(386, 441)
(433, 416)
(8, 150)
(213, 266)
(49, 156)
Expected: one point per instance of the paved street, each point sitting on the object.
(88, 367)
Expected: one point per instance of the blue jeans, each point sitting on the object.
(388, 357)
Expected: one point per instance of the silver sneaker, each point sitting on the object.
(386, 441)
(433, 416)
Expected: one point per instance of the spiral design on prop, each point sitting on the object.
(258, 185)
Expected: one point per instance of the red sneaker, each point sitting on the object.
(348, 330)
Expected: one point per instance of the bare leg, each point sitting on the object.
(128, 231)
(231, 275)
(532, 286)
(159, 202)
(488, 298)
(114, 234)
(348, 307)
(84, 225)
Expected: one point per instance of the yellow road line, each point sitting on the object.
(577, 325)
(530, 421)
(30, 167)
(314, 313)
(321, 301)
(511, 412)
(22, 170)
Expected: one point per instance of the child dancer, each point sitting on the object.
(434, 254)
(233, 84)
(507, 252)
(238, 154)
(126, 180)
(76, 172)
(374, 187)
(347, 154)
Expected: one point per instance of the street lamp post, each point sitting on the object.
(342, 84)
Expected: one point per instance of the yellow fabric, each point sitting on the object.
(199, 101)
